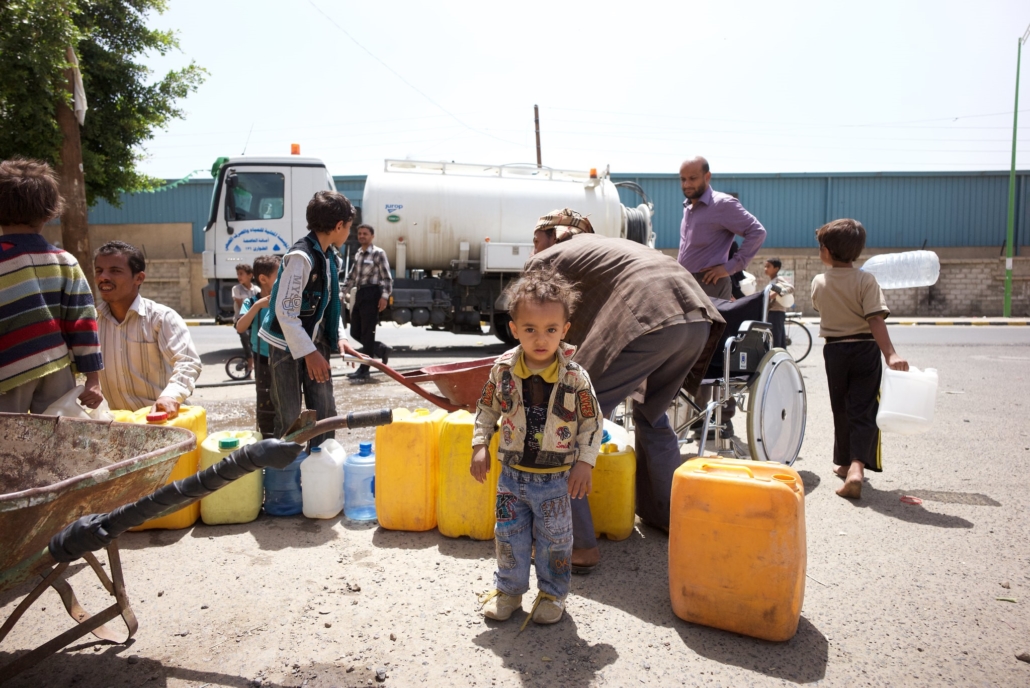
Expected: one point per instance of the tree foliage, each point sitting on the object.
(126, 105)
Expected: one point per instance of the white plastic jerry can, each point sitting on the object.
(321, 484)
(907, 400)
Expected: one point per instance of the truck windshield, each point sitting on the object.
(258, 196)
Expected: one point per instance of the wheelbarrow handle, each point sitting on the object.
(443, 403)
(95, 531)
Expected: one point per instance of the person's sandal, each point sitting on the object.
(584, 569)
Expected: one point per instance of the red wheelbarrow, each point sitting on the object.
(461, 383)
(59, 475)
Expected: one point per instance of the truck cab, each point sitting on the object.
(258, 207)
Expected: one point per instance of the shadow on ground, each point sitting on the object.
(459, 548)
(546, 655)
(802, 659)
(633, 576)
(888, 503)
(113, 665)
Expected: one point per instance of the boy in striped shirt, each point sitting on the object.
(48, 323)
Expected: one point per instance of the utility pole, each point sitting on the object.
(536, 118)
(1009, 238)
(74, 224)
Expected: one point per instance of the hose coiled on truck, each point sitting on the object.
(637, 225)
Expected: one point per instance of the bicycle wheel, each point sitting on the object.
(236, 368)
(798, 339)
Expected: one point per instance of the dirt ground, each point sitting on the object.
(896, 594)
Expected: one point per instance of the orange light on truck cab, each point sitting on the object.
(294, 149)
(593, 173)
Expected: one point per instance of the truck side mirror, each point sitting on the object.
(230, 198)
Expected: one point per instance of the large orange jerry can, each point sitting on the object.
(613, 493)
(737, 553)
(463, 505)
(192, 418)
(407, 467)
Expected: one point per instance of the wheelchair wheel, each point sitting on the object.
(236, 368)
(798, 339)
(776, 410)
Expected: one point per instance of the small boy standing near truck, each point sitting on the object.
(303, 325)
(248, 325)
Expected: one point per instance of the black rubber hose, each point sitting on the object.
(636, 225)
(96, 531)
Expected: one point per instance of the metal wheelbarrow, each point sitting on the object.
(55, 470)
(461, 383)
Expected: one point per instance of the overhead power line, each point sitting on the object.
(405, 81)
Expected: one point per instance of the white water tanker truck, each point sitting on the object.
(455, 234)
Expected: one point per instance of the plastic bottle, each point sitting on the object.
(904, 270)
(283, 495)
(359, 484)
(68, 405)
(322, 477)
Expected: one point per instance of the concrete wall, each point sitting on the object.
(972, 282)
(175, 274)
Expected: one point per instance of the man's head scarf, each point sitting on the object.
(566, 223)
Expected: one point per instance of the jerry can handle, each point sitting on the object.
(719, 467)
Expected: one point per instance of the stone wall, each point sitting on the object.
(968, 287)
(176, 284)
(175, 275)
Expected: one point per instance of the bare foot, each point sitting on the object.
(841, 471)
(852, 488)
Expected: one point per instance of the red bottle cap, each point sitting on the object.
(157, 417)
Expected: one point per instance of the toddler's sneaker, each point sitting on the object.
(547, 609)
(497, 605)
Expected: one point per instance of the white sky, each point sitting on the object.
(791, 86)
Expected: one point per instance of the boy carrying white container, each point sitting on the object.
(852, 310)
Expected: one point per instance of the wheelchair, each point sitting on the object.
(750, 367)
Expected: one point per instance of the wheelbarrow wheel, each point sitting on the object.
(501, 329)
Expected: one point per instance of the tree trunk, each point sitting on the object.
(74, 223)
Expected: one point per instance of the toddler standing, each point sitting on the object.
(852, 310)
(550, 425)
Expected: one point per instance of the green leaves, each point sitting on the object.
(126, 105)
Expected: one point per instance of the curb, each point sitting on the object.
(965, 323)
(201, 323)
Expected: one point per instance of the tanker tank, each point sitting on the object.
(455, 234)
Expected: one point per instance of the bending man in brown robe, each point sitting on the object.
(642, 319)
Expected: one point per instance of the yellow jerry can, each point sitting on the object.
(737, 552)
(192, 418)
(613, 492)
(464, 506)
(240, 501)
(407, 467)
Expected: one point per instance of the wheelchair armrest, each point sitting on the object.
(749, 326)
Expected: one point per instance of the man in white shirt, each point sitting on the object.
(149, 356)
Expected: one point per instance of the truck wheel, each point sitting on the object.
(501, 330)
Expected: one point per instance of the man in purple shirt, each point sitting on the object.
(711, 220)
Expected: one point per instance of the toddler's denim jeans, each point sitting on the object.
(533, 507)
